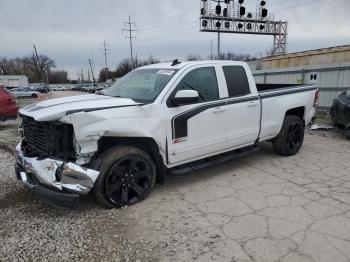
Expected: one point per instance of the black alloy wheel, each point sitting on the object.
(127, 180)
(291, 137)
(295, 135)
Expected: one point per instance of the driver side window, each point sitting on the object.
(204, 81)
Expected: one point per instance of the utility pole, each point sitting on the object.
(219, 51)
(105, 49)
(78, 77)
(82, 76)
(38, 66)
(219, 40)
(91, 63)
(211, 49)
(129, 35)
(88, 76)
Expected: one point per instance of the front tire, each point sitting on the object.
(127, 176)
(291, 138)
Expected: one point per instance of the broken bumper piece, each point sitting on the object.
(56, 182)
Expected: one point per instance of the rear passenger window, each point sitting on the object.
(237, 81)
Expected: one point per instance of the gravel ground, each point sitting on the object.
(262, 207)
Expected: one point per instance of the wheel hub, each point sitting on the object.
(127, 179)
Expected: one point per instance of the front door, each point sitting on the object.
(199, 129)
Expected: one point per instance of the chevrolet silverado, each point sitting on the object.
(167, 117)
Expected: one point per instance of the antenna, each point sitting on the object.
(175, 62)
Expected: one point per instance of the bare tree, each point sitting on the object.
(28, 66)
(37, 68)
(6, 66)
(191, 57)
(58, 77)
(125, 66)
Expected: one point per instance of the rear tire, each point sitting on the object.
(291, 138)
(127, 176)
(34, 95)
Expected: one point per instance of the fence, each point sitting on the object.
(331, 79)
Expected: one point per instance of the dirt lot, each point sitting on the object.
(259, 208)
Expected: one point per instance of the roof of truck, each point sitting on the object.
(180, 65)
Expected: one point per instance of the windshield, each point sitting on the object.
(141, 85)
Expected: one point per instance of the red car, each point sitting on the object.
(8, 105)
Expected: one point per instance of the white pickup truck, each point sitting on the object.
(168, 117)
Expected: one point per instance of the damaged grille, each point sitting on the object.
(47, 139)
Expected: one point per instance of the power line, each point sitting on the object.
(295, 6)
(159, 20)
(130, 36)
(12, 24)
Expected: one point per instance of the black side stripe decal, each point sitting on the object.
(287, 92)
(179, 122)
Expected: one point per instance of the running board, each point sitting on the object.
(213, 161)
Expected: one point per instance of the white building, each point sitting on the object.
(13, 80)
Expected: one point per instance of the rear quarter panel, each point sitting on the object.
(275, 108)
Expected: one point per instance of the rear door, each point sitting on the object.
(198, 129)
(243, 108)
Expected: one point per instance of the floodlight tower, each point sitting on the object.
(231, 16)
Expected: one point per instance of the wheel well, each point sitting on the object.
(298, 111)
(144, 143)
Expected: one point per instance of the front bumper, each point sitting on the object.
(56, 182)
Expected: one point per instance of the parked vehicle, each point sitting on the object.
(58, 88)
(24, 92)
(8, 105)
(41, 89)
(168, 117)
(340, 112)
(92, 88)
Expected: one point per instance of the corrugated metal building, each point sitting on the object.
(328, 67)
(13, 80)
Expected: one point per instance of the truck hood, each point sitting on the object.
(55, 109)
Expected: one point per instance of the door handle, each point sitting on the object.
(252, 104)
(218, 110)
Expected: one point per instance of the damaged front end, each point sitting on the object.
(46, 163)
(58, 183)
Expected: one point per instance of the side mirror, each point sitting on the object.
(185, 97)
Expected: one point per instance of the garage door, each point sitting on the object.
(13, 82)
